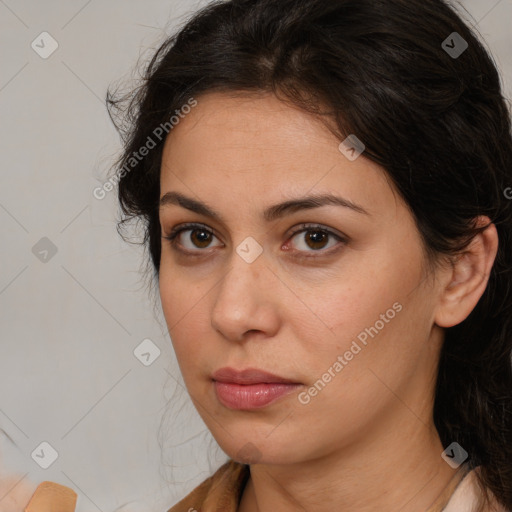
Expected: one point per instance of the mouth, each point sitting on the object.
(251, 388)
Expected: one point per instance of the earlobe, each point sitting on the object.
(468, 277)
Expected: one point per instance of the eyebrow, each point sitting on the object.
(271, 213)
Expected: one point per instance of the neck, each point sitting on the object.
(393, 469)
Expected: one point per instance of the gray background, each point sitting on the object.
(70, 324)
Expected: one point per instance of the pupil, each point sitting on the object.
(317, 237)
(203, 238)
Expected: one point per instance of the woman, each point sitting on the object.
(325, 186)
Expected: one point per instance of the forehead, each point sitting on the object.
(249, 121)
(253, 148)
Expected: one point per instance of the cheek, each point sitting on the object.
(183, 306)
(333, 314)
(171, 287)
(183, 292)
(368, 355)
(368, 316)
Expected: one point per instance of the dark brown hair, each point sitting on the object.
(437, 122)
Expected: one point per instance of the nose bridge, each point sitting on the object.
(243, 300)
(247, 266)
(240, 284)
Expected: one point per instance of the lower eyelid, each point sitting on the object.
(318, 254)
(321, 253)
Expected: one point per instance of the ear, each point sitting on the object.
(466, 280)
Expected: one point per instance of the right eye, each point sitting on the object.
(199, 237)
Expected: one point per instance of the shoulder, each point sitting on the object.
(221, 491)
(468, 496)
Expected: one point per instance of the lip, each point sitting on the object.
(249, 376)
(251, 388)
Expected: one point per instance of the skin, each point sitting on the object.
(16, 494)
(367, 440)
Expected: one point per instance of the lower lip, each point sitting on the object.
(251, 396)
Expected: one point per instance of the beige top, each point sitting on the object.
(223, 490)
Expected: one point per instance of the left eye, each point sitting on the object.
(315, 238)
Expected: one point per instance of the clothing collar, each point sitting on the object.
(223, 490)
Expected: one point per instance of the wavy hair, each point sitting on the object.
(437, 122)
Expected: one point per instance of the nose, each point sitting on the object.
(246, 300)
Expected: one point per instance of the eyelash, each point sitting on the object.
(172, 238)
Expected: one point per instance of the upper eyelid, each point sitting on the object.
(191, 226)
(311, 226)
(302, 227)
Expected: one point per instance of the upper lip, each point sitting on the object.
(248, 376)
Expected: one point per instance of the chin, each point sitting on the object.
(261, 452)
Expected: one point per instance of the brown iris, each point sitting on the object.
(201, 238)
(316, 239)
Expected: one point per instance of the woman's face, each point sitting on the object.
(342, 306)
